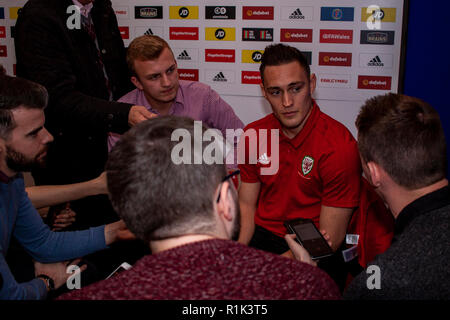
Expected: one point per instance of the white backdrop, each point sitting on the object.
(352, 60)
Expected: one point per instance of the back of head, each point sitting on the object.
(404, 136)
(156, 197)
(278, 54)
(18, 92)
(146, 47)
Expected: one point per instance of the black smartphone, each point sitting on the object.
(309, 237)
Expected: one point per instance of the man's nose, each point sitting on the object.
(47, 136)
(165, 81)
(287, 99)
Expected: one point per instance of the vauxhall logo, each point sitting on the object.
(220, 10)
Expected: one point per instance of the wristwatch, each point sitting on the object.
(48, 281)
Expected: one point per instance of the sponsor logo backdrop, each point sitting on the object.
(221, 42)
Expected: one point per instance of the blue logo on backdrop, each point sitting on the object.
(2, 13)
(337, 13)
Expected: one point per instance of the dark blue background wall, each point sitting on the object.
(427, 69)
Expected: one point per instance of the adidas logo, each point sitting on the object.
(220, 77)
(263, 159)
(184, 56)
(376, 62)
(149, 32)
(297, 14)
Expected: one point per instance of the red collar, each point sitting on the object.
(306, 130)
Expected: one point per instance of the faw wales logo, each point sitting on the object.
(307, 165)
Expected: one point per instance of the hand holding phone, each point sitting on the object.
(309, 237)
(299, 253)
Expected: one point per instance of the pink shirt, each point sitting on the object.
(195, 100)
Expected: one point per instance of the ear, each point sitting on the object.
(312, 83)
(137, 83)
(225, 205)
(375, 173)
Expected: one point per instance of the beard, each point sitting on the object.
(18, 162)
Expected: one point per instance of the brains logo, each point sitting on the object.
(377, 37)
(148, 12)
(337, 14)
(326, 59)
(249, 13)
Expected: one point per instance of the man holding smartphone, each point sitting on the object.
(23, 145)
(319, 169)
(190, 230)
(403, 153)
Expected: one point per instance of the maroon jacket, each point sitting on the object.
(213, 270)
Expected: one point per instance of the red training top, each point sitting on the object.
(319, 166)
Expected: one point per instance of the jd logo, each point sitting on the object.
(374, 19)
(183, 12)
(378, 14)
(220, 34)
(257, 56)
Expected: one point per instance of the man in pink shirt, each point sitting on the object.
(155, 75)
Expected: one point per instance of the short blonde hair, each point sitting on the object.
(146, 47)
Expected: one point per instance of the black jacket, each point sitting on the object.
(415, 267)
(79, 114)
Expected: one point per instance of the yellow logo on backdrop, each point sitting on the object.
(382, 14)
(220, 34)
(183, 12)
(252, 56)
(14, 12)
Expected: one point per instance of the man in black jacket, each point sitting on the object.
(83, 73)
(84, 70)
(403, 151)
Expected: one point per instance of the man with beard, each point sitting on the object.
(75, 50)
(23, 146)
(189, 215)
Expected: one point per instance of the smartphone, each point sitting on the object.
(309, 237)
(122, 267)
